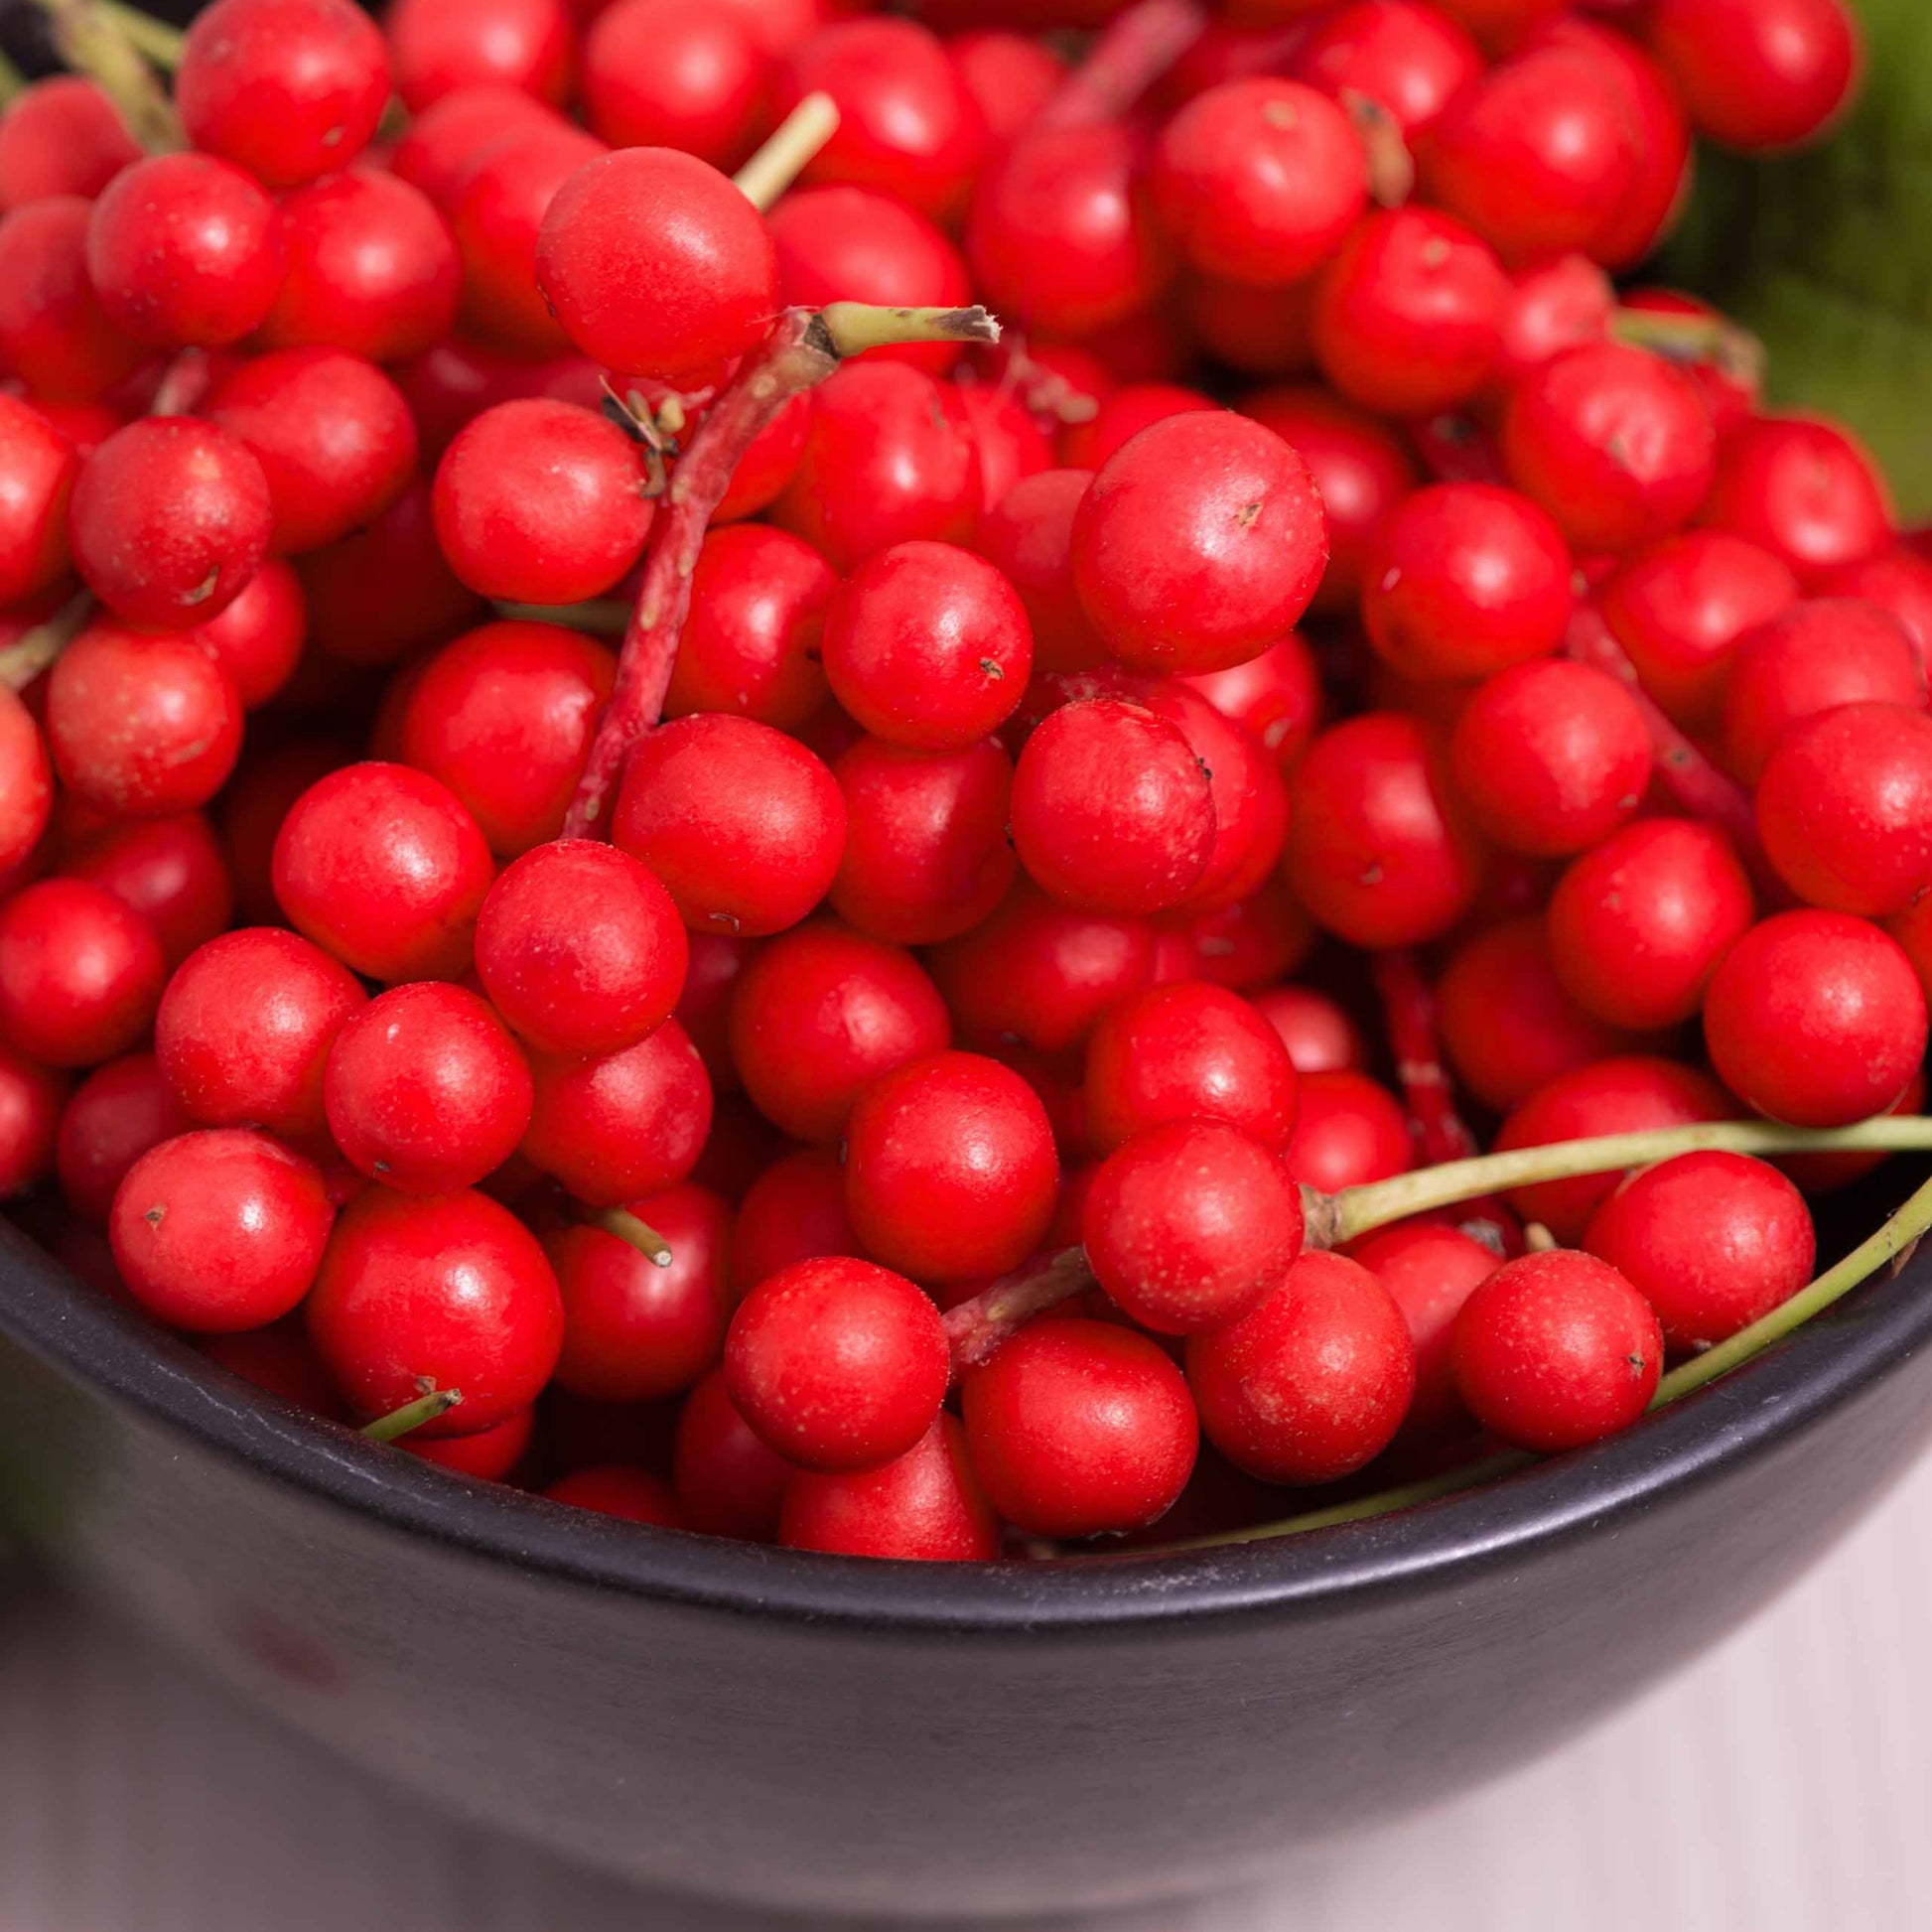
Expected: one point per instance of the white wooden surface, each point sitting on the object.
(1784, 1784)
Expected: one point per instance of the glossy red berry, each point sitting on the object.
(1557, 1351)
(926, 855)
(1679, 609)
(1759, 74)
(616, 1126)
(1258, 181)
(426, 1091)
(1626, 1095)
(490, 1456)
(541, 502)
(1429, 1271)
(38, 466)
(31, 1098)
(836, 1364)
(656, 265)
(1314, 1382)
(1319, 1032)
(440, 46)
(1638, 925)
(113, 1118)
(1713, 1241)
(171, 871)
(634, 1330)
(580, 948)
(1111, 808)
(451, 1291)
(928, 645)
(676, 74)
(1466, 579)
(80, 975)
(727, 1480)
(821, 1013)
(743, 824)
(1551, 757)
(1815, 1019)
(1845, 809)
(1818, 655)
(925, 1506)
(258, 638)
(1806, 491)
(950, 1168)
(1192, 1225)
(1199, 543)
(288, 89)
(1349, 1130)
(752, 644)
(54, 334)
(219, 1230)
(60, 136)
(794, 1211)
(246, 1025)
(383, 867)
(1379, 847)
(616, 1489)
(1410, 59)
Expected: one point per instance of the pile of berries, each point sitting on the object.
(639, 852)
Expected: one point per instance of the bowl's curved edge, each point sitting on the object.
(1788, 1390)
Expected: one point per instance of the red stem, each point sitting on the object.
(1132, 53)
(1409, 1016)
(1691, 781)
(976, 1328)
(788, 362)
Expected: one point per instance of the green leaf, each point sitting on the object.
(1827, 256)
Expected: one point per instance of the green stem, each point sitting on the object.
(12, 81)
(413, 1415)
(638, 1234)
(161, 43)
(797, 138)
(855, 327)
(91, 39)
(23, 660)
(1335, 1220)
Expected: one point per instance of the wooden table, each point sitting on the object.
(1782, 1785)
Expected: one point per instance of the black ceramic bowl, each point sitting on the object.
(911, 1739)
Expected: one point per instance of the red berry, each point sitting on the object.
(1275, 698)
(741, 824)
(656, 265)
(184, 251)
(541, 502)
(1815, 1019)
(383, 866)
(288, 89)
(1349, 1130)
(1409, 59)
(447, 1293)
(794, 1211)
(1319, 1034)
(1627, 1095)
(1379, 847)
(60, 136)
(490, 1456)
(1712, 1241)
(1759, 74)
(929, 646)
(1507, 971)
(1679, 609)
(258, 638)
(618, 1127)
(80, 975)
(246, 1025)
(31, 1098)
(821, 1013)
(1466, 579)
(925, 1506)
(1551, 757)
(1314, 1382)
(333, 436)
(1111, 808)
(926, 855)
(950, 1168)
(1804, 490)
(440, 46)
(38, 466)
(752, 644)
(113, 1117)
(1845, 809)
(1199, 543)
(1818, 655)
(884, 462)
(727, 1482)
(444, 141)
(1429, 1271)
(54, 336)
(1192, 1225)
(426, 1091)
(836, 1364)
(676, 74)
(616, 1489)
(1638, 925)
(219, 1230)
(1557, 1351)
(171, 871)
(581, 948)
(634, 1330)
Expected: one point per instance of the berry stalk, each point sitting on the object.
(803, 349)
(412, 1415)
(636, 1233)
(976, 1328)
(23, 660)
(1409, 1016)
(784, 157)
(1132, 53)
(92, 41)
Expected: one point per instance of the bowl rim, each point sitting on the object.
(1763, 1405)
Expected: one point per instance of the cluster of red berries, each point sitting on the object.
(896, 1132)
